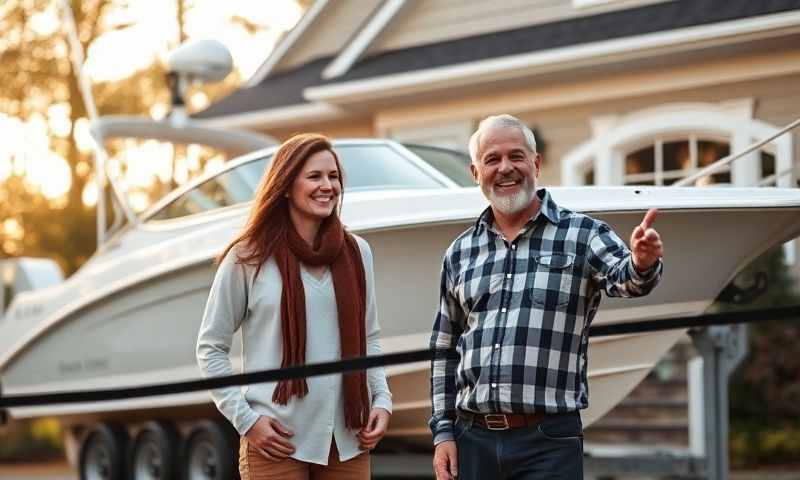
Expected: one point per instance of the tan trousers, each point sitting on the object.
(254, 466)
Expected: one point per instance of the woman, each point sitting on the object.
(302, 290)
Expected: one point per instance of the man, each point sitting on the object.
(518, 292)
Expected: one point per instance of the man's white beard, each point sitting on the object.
(511, 204)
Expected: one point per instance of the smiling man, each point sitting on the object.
(518, 292)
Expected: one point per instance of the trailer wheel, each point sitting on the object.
(210, 452)
(102, 455)
(154, 455)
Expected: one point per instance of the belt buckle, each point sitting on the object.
(496, 421)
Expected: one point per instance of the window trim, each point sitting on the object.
(614, 135)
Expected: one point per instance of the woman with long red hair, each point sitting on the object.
(301, 289)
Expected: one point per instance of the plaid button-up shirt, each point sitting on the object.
(517, 313)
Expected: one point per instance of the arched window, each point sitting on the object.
(662, 145)
(659, 146)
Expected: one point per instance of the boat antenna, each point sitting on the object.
(98, 147)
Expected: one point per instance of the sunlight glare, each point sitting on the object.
(198, 101)
(12, 229)
(147, 161)
(159, 110)
(214, 164)
(135, 44)
(212, 18)
(12, 145)
(58, 118)
(5, 166)
(161, 160)
(48, 172)
(139, 201)
(28, 143)
(181, 173)
(132, 34)
(44, 23)
(83, 137)
(137, 172)
(89, 194)
(35, 133)
(10, 247)
(193, 154)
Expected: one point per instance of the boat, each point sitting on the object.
(131, 314)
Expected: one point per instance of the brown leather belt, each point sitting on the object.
(505, 421)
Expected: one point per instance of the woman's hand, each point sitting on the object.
(373, 431)
(270, 438)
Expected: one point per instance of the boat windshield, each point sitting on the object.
(452, 163)
(366, 167)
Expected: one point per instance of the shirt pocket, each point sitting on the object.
(552, 286)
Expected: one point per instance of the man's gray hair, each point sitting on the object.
(496, 122)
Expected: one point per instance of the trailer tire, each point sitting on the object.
(103, 451)
(154, 452)
(210, 452)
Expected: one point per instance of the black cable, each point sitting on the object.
(363, 363)
(707, 320)
(262, 376)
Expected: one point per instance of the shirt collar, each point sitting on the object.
(548, 209)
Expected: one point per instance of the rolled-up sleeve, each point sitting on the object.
(612, 266)
(225, 311)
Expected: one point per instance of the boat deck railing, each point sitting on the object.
(717, 166)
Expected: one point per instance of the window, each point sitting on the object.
(381, 167)
(367, 166)
(664, 162)
(768, 173)
(455, 165)
(663, 144)
(228, 188)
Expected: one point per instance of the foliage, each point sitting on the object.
(764, 446)
(765, 389)
(26, 440)
(41, 76)
(36, 77)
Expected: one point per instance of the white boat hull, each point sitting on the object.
(143, 331)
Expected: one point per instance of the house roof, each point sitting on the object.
(287, 87)
(279, 90)
(576, 31)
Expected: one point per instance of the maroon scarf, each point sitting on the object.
(337, 248)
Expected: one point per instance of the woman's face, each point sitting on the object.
(315, 192)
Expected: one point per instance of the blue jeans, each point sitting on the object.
(552, 449)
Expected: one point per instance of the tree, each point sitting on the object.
(37, 79)
(38, 83)
(36, 75)
(765, 389)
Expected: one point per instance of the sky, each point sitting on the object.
(148, 33)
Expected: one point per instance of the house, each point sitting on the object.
(619, 92)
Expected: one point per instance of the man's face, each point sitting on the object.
(506, 169)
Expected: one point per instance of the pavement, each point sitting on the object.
(62, 471)
(48, 471)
